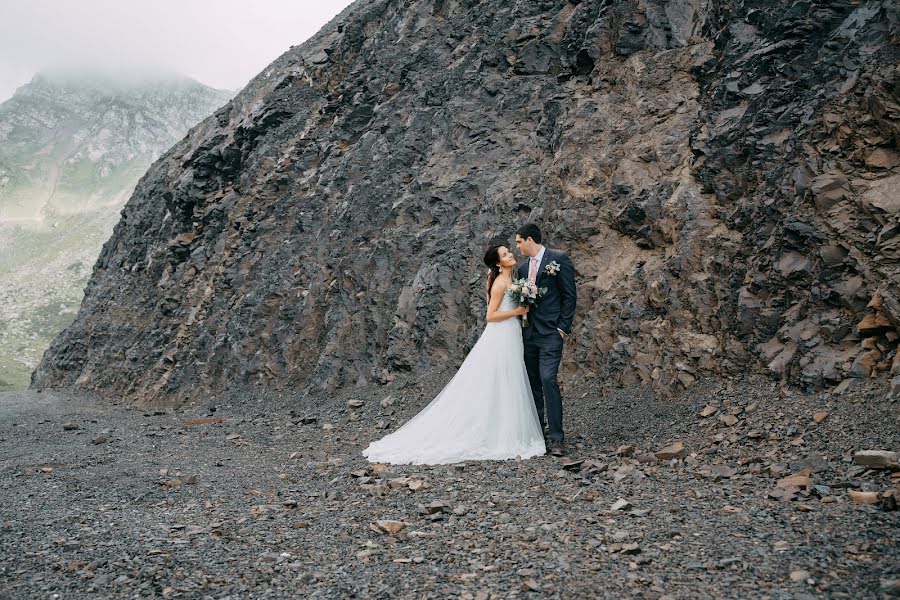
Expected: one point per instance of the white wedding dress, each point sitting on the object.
(486, 412)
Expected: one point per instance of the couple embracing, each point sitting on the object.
(498, 402)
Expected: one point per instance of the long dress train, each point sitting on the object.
(486, 412)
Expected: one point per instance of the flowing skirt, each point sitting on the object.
(486, 412)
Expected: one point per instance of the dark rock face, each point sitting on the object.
(723, 174)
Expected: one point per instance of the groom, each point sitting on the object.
(548, 325)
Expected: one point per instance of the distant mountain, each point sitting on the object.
(72, 147)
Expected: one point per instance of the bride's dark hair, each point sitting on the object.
(492, 260)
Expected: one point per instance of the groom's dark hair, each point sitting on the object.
(529, 230)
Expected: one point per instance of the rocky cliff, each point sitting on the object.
(72, 147)
(723, 174)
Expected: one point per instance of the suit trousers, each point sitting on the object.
(543, 353)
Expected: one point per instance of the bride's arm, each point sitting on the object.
(493, 314)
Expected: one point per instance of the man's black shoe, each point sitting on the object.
(557, 448)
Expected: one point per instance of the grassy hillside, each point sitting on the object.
(71, 152)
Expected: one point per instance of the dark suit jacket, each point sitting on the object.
(556, 308)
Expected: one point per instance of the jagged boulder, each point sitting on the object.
(717, 171)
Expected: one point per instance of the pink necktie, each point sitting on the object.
(532, 270)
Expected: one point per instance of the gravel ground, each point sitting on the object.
(111, 501)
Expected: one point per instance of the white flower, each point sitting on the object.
(552, 268)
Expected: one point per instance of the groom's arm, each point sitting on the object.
(566, 282)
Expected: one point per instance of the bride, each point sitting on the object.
(487, 410)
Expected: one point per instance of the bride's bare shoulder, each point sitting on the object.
(500, 285)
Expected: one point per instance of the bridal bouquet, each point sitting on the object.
(525, 293)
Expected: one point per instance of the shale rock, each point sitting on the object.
(879, 459)
(723, 177)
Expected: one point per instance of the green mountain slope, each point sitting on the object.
(72, 148)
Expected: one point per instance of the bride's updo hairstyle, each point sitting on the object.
(492, 260)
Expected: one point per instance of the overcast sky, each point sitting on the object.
(222, 43)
